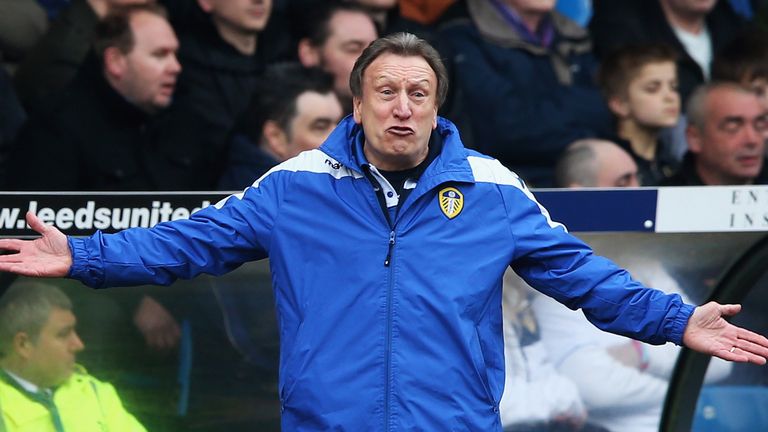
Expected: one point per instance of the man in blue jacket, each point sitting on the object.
(387, 247)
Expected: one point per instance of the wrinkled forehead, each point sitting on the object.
(396, 68)
(731, 102)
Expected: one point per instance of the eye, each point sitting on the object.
(761, 124)
(732, 126)
(652, 87)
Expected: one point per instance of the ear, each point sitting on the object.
(434, 120)
(205, 5)
(309, 55)
(356, 110)
(619, 106)
(22, 345)
(114, 62)
(693, 137)
(276, 139)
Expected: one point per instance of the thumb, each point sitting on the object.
(730, 309)
(35, 223)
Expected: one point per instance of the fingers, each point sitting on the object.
(752, 342)
(757, 353)
(35, 223)
(730, 309)
(10, 245)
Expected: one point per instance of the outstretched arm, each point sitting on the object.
(46, 256)
(708, 332)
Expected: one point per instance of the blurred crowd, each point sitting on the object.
(203, 95)
(209, 94)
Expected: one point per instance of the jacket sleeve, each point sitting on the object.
(561, 266)
(214, 240)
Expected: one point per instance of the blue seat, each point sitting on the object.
(731, 409)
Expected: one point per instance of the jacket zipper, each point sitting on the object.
(388, 259)
(388, 367)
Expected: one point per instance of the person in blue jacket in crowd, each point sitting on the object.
(387, 247)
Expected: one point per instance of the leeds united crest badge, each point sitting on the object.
(451, 202)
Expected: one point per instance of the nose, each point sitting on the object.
(752, 136)
(403, 108)
(671, 93)
(174, 67)
(76, 344)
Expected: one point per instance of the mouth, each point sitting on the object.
(749, 161)
(400, 130)
(256, 12)
(168, 88)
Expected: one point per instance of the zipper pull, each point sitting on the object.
(389, 250)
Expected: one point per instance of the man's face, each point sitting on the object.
(652, 98)
(316, 116)
(146, 76)
(242, 16)
(615, 168)
(50, 360)
(349, 34)
(729, 147)
(398, 110)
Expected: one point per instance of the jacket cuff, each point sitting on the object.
(86, 265)
(680, 322)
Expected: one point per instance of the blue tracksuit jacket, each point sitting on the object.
(388, 325)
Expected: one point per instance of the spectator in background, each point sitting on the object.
(54, 61)
(745, 61)
(295, 109)
(622, 382)
(696, 29)
(223, 58)
(536, 398)
(99, 134)
(523, 77)
(639, 83)
(332, 37)
(591, 163)
(726, 136)
(41, 386)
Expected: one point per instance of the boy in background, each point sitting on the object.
(639, 84)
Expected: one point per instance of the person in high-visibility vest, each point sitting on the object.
(42, 389)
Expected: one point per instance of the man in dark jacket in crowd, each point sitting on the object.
(223, 55)
(523, 77)
(100, 134)
(55, 59)
(726, 137)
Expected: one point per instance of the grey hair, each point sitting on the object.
(26, 307)
(402, 44)
(696, 108)
(577, 164)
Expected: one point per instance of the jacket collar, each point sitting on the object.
(345, 145)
